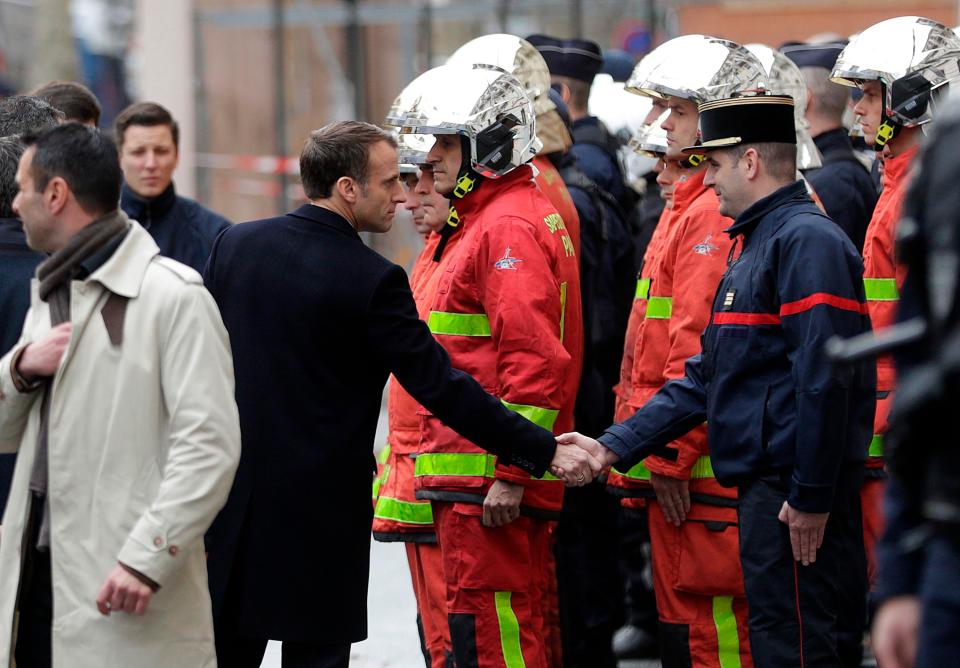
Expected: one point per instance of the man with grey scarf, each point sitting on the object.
(119, 400)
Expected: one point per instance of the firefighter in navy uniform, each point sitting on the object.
(785, 426)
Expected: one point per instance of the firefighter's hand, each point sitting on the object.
(123, 592)
(502, 504)
(806, 532)
(895, 629)
(673, 496)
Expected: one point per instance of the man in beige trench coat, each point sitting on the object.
(119, 398)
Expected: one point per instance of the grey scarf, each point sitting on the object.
(55, 275)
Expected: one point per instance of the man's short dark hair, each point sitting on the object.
(779, 158)
(579, 93)
(337, 150)
(20, 114)
(86, 158)
(148, 114)
(75, 100)
(11, 148)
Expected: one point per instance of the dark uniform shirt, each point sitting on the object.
(844, 185)
(183, 229)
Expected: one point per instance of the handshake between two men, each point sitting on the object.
(579, 459)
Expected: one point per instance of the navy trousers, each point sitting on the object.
(804, 616)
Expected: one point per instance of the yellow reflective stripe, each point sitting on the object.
(881, 289)
(660, 308)
(466, 464)
(702, 468)
(643, 289)
(459, 324)
(380, 480)
(461, 464)
(876, 446)
(384, 454)
(728, 638)
(543, 417)
(563, 308)
(408, 512)
(638, 472)
(509, 631)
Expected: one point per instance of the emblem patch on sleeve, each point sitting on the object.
(705, 247)
(507, 261)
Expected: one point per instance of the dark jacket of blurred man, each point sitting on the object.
(317, 323)
(843, 184)
(18, 114)
(149, 141)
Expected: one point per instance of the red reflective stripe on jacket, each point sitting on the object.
(822, 298)
(728, 318)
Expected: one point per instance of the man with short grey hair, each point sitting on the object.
(24, 113)
(843, 184)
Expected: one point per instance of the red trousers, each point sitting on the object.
(699, 588)
(494, 579)
(430, 589)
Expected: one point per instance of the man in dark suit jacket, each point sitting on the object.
(317, 323)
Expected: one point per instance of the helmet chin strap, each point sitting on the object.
(888, 128)
(467, 180)
(692, 161)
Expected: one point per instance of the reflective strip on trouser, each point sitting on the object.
(459, 324)
(643, 289)
(509, 631)
(728, 637)
(659, 308)
(460, 464)
(876, 446)
(408, 512)
(881, 289)
(702, 468)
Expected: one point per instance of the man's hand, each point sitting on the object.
(806, 532)
(579, 459)
(502, 504)
(673, 496)
(41, 358)
(894, 634)
(123, 592)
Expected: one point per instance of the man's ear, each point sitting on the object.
(57, 194)
(751, 163)
(348, 189)
(564, 92)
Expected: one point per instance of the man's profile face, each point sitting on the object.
(379, 197)
(148, 157)
(413, 203)
(436, 207)
(869, 109)
(725, 176)
(445, 158)
(668, 172)
(30, 206)
(681, 126)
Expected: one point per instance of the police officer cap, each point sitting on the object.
(814, 55)
(578, 59)
(745, 120)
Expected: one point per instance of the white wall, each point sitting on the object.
(164, 72)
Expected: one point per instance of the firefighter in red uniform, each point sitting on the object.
(901, 65)
(398, 516)
(507, 310)
(692, 519)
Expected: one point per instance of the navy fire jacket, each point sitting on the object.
(773, 401)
